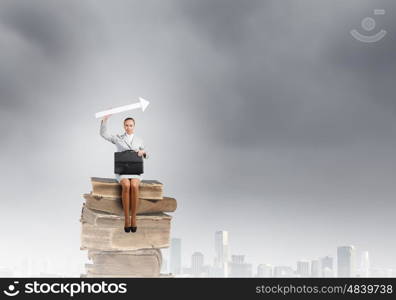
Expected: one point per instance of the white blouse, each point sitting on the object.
(129, 137)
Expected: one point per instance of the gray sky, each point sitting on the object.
(267, 119)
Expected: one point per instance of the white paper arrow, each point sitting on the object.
(142, 103)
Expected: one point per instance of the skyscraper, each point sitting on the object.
(364, 266)
(221, 250)
(197, 263)
(346, 261)
(327, 266)
(175, 256)
(303, 268)
(315, 271)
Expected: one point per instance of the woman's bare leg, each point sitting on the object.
(126, 186)
(134, 199)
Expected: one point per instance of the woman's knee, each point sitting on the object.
(125, 183)
(135, 184)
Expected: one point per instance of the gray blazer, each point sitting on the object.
(120, 140)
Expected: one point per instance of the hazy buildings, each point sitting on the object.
(303, 268)
(346, 261)
(315, 268)
(221, 250)
(164, 265)
(327, 266)
(283, 271)
(175, 256)
(264, 270)
(364, 264)
(238, 267)
(6, 272)
(197, 264)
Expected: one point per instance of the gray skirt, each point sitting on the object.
(118, 177)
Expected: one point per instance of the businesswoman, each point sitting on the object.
(129, 182)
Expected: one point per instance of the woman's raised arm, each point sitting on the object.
(103, 130)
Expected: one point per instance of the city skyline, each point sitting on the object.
(323, 266)
(345, 264)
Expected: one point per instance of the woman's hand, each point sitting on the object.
(141, 152)
(106, 117)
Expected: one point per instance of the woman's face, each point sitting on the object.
(129, 126)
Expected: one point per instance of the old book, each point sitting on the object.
(124, 257)
(142, 263)
(109, 187)
(114, 204)
(104, 231)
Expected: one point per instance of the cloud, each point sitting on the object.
(277, 74)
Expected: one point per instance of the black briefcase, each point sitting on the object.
(128, 162)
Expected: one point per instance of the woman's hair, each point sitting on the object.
(129, 118)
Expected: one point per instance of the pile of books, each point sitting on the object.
(114, 252)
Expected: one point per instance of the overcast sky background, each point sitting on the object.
(266, 119)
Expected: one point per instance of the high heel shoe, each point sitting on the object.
(127, 229)
(133, 228)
